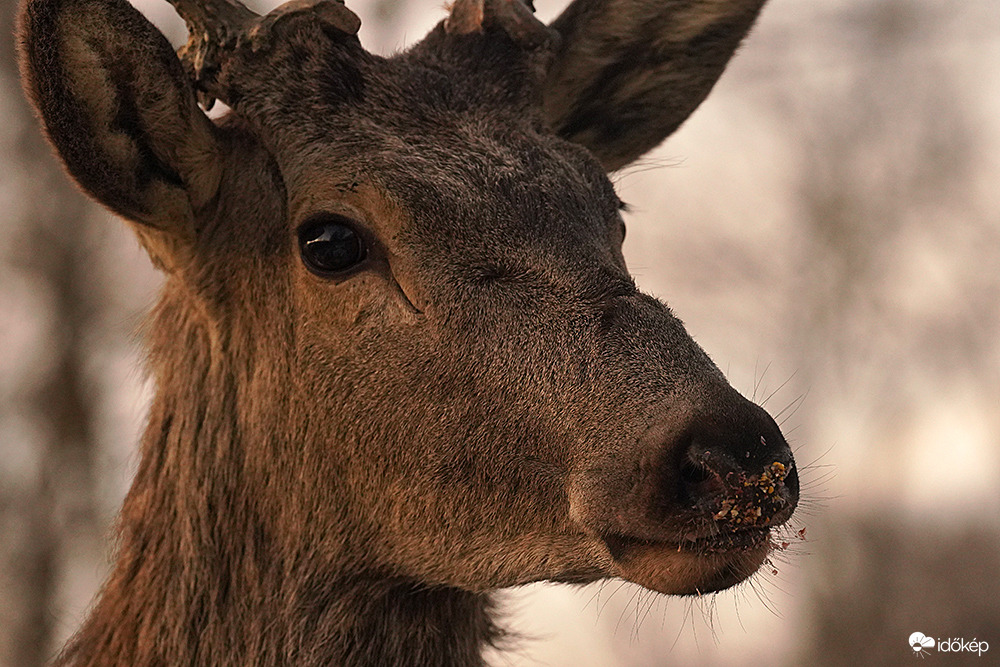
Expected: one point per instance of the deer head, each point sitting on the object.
(399, 359)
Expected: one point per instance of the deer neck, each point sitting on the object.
(200, 577)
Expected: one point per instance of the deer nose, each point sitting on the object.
(744, 476)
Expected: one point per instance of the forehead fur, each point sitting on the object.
(451, 131)
(295, 90)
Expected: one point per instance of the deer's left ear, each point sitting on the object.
(629, 72)
(121, 113)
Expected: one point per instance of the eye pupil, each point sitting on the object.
(330, 245)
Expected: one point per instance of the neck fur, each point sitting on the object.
(200, 578)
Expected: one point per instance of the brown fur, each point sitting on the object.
(339, 471)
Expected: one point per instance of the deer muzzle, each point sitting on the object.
(696, 509)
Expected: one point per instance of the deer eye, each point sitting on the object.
(329, 244)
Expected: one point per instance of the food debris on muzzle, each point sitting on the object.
(753, 499)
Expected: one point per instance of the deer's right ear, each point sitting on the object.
(120, 111)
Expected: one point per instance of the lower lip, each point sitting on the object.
(693, 566)
(744, 540)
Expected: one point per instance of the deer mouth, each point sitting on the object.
(747, 539)
(691, 565)
(739, 540)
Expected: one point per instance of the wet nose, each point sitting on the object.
(740, 469)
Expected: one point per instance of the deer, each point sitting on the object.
(398, 359)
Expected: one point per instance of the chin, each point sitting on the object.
(691, 567)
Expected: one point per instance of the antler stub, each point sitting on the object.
(464, 17)
(214, 28)
(515, 17)
(217, 29)
(333, 13)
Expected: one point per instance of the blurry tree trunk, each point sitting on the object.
(43, 516)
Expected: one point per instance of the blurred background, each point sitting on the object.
(828, 226)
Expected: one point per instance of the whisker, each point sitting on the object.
(780, 387)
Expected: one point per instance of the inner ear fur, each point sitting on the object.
(122, 115)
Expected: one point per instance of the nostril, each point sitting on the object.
(699, 482)
(694, 473)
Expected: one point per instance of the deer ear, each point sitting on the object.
(121, 113)
(629, 72)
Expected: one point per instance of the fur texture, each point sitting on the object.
(338, 470)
